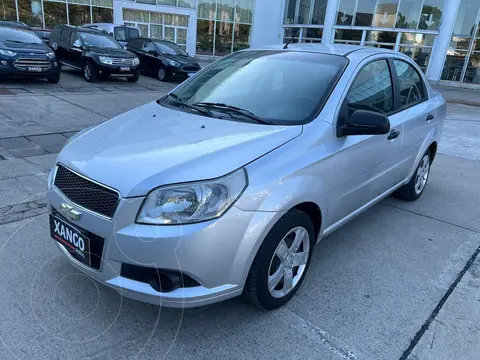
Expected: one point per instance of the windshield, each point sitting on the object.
(285, 87)
(43, 34)
(169, 48)
(19, 35)
(99, 40)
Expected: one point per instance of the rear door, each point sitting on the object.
(149, 57)
(414, 112)
(63, 47)
(362, 162)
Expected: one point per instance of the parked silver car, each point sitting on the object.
(224, 186)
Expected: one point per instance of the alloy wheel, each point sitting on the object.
(422, 174)
(288, 262)
(87, 71)
(161, 75)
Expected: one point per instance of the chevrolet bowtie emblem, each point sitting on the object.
(70, 211)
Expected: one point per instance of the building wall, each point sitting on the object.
(267, 23)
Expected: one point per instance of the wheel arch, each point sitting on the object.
(314, 213)
(433, 149)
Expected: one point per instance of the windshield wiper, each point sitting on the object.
(234, 109)
(193, 107)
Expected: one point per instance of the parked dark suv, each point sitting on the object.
(163, 58)
(94, 52)
(23, 53)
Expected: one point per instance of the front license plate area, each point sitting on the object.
(34, 68)
(124, 68)
(72, 239)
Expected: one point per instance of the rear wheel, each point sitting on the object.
(162, 75)
(281, 262)
(89, 73)
(134, 78)
(414, 189)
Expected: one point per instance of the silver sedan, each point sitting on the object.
(223, 186)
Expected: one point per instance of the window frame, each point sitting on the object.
(397, 103)
(393, 81)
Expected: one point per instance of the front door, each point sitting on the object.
(362, 161)
(76, 50)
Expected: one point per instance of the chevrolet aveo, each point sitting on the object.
(223, 186)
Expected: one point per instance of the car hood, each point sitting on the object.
(25, 48)
(111, 52)
(153, 146)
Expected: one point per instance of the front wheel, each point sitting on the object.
(89, 73)
(281, 262)
(54, 79)
(414, 189)
(162, 75)
(134, 78)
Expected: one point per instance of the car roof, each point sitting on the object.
(14, 24)
(350, 51)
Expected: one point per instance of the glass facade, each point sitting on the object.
(462, 62)
(46, 13)
(159, 25)
(223, 26)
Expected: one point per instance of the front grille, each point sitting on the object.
(191, 68)
(26, 62)
(122, 61)
(86, 193)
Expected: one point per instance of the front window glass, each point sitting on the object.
(133, 33)
(285, 87)
(372, 89)
(410, 83)
(120, 33)
(169, 48)
(18, 35)
(97, 40)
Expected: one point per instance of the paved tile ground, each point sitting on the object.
(372, 285)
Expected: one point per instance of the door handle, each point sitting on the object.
(393, 134)
(430, 117)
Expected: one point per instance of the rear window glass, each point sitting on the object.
(286, 87)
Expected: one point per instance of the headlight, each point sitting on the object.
(7, 52)
(105, 60)
(136, 61)
(192, 202)
(173, 63)
(51, 55)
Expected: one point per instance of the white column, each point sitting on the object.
(439, 51)
(267, 23)
(330, 18)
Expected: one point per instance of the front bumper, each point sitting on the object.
(10, 69)
(179, 74)
(217, 254)
(109, 70)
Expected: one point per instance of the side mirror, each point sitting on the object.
(153, 52)
(364, 122)
(77, 44)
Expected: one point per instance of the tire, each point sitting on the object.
(54, 79)
(89, 75)
(162, 74)
(134, 78)
(414, 189)
(268, 262)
